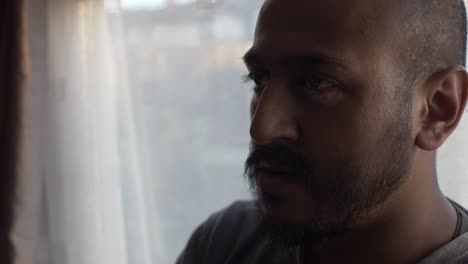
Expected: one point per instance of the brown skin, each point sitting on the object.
(350, 119)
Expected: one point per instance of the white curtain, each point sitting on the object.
(77, 153)
(138, 127)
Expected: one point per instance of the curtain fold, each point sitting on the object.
(81, 174)
(81, 142)
(12, 79)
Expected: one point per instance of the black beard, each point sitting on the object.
(293, 235)
(279, 155)
(351, 191)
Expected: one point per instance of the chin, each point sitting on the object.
(284, 210)
(291, 226)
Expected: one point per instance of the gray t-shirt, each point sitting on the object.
(231, 236)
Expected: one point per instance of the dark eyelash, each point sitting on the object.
(247, 78)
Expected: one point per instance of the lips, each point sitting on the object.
(271, 180)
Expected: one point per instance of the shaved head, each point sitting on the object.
(426, 33)
(433, 34)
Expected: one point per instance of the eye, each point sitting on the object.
(260, 79)
(315, 85)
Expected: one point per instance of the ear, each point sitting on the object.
(445, 97)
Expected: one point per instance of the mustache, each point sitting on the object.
(276, 157)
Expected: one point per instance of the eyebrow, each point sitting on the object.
(252, 58)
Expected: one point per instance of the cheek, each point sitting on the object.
(332, 134)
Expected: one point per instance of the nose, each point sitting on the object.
(273, 115)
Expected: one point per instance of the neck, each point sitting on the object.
(414, 221)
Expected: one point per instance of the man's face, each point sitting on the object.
(331, 117)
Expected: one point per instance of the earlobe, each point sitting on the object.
(429, 140)
(445, 100)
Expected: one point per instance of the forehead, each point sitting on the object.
(346, 29)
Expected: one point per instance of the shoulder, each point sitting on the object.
(454, 252)
(222, 234)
